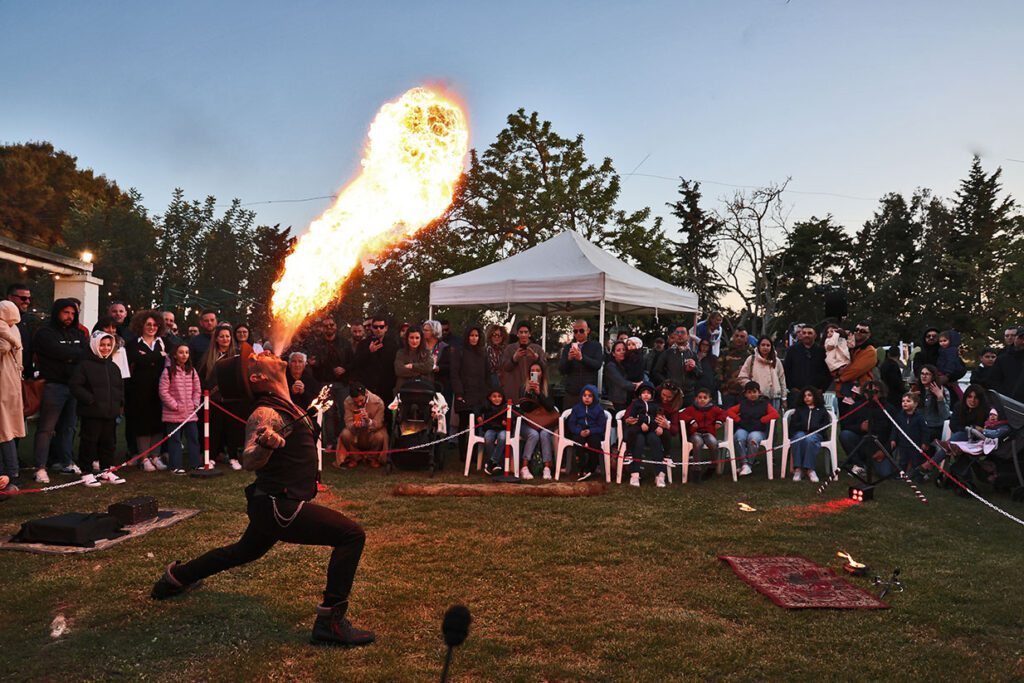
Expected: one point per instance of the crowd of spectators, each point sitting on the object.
(143, 372)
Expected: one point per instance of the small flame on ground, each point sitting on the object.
(849, 560)
(414, 158)
(746, 508)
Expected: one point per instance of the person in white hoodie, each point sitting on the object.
(765, 368)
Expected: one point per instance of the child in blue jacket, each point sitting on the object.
(585, 425)
(912, 424)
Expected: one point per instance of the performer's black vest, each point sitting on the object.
(291, 471)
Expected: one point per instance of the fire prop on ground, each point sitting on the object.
(414, 157)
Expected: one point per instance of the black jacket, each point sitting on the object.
(1007, 372)
(469, 375)
(805, 367)
(97, 385)
(376, 369)
(59, 349)
(576, 374)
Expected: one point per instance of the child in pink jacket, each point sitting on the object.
(180, 393)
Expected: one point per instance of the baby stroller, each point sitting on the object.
(416, 424)
(1002, 466)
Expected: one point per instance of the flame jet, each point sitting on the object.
(415, 153)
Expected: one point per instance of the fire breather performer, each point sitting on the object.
(280, 447)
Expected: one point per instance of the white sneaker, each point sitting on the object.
(41, 476)
(547, 473)
(147, 465)
(75, 469)
(813, 476)
(90, 480)
(659, 480)
(110, 478)
(235, 465)
(745, 470)
(96, 465)
(859, 471)
(525, 473)
(158, 463)
(798, 475)
(634, 479)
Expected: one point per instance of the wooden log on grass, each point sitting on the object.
(565, 490)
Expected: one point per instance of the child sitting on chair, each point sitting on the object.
(753, 415)
(493, 431)
(910, 423)
(643, 435)
(702, 421)
(807, 424)
(586, 425)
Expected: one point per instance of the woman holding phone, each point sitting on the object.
(534, 395)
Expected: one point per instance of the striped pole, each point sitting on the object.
(508, 440)
(207, 465)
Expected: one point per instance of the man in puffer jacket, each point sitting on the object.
(59, 346)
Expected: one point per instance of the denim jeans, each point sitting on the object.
(9, 459)
(748, 444)
(494, 446)
(532, 436)
(188, 434)
(57, 417)
(805, 451)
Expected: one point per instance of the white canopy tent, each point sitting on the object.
(567, 275)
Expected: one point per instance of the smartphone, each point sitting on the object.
(535, 376)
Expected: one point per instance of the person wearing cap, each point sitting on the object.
(280, 447)
(364, 429)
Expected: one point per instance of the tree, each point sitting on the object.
(531, 184)
(39, 187)
(752, 223)
(817, 253)
(694, 258)
(888, 268)
(118, 235)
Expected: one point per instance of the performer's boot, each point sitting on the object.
(168, 586)
(332, 628)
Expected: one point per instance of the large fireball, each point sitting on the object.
(414, 156)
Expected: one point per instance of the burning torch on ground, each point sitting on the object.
(414, 157)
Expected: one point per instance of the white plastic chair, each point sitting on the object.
(564, 442)
(830, 444)
(471, 443)
(475, 440)
(726, 443)
(768, 445)
(622, 451)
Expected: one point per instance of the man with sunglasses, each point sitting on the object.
(579, 362)
(863, 357)
(21, 296)
(374, 363)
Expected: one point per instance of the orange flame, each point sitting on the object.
(849, 560)
(746, 508)
(414, 157)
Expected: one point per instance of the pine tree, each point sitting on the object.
(693, 258)
(817, 253)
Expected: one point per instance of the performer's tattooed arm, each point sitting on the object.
(261, 437)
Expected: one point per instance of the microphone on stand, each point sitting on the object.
(455, 628)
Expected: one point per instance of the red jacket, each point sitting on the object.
(703, 421)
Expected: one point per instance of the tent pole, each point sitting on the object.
(600, 338)
(544, 334)
(430, 312)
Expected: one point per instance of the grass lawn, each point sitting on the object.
(624, 586)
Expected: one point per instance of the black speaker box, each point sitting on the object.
(71, 528)
(134, 510)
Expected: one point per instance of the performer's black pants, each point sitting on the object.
(314, 525)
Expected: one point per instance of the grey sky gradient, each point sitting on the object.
(270, 100)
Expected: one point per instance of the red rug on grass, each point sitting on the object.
(798, 583)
